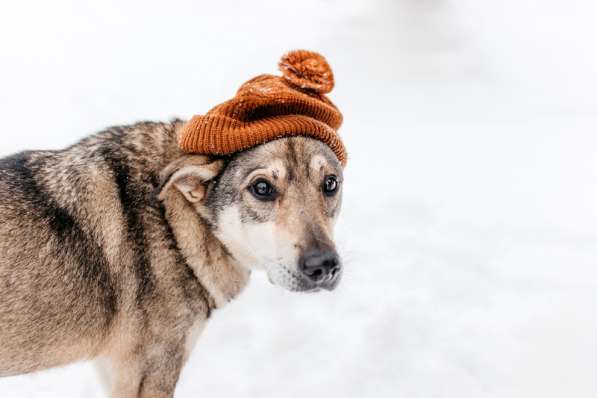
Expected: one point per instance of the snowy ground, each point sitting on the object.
(469, 228)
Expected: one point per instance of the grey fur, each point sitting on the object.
(100, 259)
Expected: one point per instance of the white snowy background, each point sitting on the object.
(469, 228)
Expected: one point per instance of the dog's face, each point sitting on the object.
(274, 208)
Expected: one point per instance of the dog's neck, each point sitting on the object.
(214, 267)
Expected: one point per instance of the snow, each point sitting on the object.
(469, 224)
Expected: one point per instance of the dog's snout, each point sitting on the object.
(320, 266)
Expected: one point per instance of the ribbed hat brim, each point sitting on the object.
(223, 135)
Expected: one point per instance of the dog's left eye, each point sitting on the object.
(263, 190)
(330, 185)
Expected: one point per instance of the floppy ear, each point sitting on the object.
(189, 176)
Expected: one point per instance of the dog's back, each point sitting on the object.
(64, 245)
(46, 260)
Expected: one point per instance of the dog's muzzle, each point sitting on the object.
(321, 267)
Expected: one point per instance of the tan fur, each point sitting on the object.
(118, 248)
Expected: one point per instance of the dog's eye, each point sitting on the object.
(330, 185)
(263, 190)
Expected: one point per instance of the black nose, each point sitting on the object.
(320, 265)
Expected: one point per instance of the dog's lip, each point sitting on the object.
(307, 286)
(304, 287)
(332, 285)
(310, 287)
(319, 287)
(314, 290)
(330, 282)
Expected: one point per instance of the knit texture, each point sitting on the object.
(269, 107)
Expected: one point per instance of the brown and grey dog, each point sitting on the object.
(118, 248)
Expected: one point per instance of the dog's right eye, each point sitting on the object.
(263, 190)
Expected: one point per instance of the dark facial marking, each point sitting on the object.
(292, 160)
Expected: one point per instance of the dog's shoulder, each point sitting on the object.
(89, 184)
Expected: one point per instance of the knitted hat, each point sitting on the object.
(270, 107)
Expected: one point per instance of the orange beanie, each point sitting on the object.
(270, 107)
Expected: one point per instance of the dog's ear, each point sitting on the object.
(189, 175)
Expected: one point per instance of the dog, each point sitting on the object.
(118, 248)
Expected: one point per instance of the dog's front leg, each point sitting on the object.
(149, 374)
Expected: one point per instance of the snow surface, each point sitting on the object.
(469, 225)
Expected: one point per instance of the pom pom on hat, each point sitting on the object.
(307, 70)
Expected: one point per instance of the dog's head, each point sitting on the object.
(273, 207)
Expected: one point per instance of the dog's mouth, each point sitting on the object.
(293, 281)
